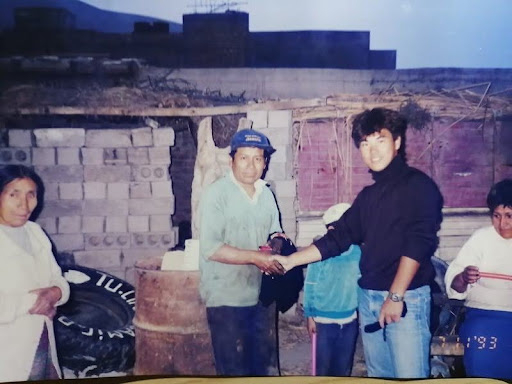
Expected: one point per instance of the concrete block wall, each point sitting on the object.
(277, 126)
(108, 193)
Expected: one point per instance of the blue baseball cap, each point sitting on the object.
(251, 138)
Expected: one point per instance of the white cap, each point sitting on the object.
(334, 213)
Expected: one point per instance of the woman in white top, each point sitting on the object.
(481, 274)
(31, 284)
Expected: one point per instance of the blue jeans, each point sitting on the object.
(336, 345)
(244, 340)
(400, 350)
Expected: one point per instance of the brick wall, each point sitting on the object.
(463, 159)
(109, 196)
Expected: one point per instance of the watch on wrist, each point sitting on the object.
(395, 297)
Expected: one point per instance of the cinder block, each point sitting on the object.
(285, 188)
(105, 208)
(60, 137)
(150, 172)
(92, 156)
(43, 156)
(279, 136)
(283, 154)
(160, 155)
(138, 156)
(49, 224)
(259, 119)
(287, 207)
(59, 208)
(163, 137)
(160, 223)
(116, 224)
(93, 224)
(61, 173)
(107, 241)
(15, 156)
(130, 256)
(95, 190)
(68, 156)
(279, 119)
(289, 225)
(129, 275)
(165, 240)
(107, 173)
(138, 223)
(68, 242)
(20, 138)
(108, 138)
(70, 191)
(99, 259)
(117, 191)
(115, 156)
(155, 206)
(161, 188)
(69, 224)
(51, 191)
(142, 137)
(278, 171)
(141, 190)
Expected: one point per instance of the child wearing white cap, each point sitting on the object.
(330, 305)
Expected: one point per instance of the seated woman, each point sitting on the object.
(31, 284)
(482, 275)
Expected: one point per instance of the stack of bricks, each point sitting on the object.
(108, 193)
(277, 126)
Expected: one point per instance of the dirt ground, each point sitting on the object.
(295, 348)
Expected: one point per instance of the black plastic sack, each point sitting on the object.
(283, 289)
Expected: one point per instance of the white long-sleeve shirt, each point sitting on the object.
(20, 273)
(490, 252)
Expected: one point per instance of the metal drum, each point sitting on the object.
(171, 330)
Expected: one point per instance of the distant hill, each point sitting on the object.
(87, 16)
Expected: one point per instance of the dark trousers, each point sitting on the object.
(336, 345)
(244, 340)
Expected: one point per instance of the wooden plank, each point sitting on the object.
(331, 107)
(167, 112)
(446, 346)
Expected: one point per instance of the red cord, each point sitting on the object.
(496, 276)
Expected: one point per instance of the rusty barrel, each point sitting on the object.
(171, 330)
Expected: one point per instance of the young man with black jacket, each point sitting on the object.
(395, 221)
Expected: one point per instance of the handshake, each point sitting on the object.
(279, 248)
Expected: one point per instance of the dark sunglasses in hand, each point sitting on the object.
(374, 327)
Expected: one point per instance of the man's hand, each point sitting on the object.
(267, 265)
(390, 312)
(45, 302)
(285, 261)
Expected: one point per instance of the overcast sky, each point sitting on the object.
(425, 33)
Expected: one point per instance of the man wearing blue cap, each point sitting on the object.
(238, 214)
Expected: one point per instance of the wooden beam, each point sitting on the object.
(335, 106)
(161, 112)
